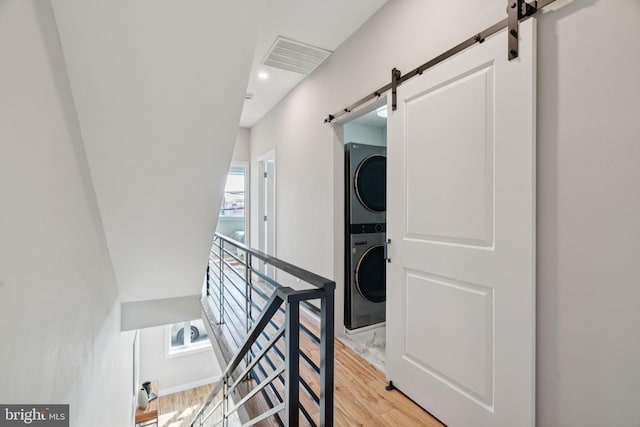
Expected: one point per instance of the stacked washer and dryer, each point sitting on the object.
(365, 227)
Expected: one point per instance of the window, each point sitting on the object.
(186, 337)
(233, 201)
(231, 219)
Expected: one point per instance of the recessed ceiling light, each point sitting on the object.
(262, 75)
(382, 111)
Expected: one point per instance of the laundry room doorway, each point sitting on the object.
(362, 140)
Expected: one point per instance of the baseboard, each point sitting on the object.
(365, 328)
(183, 387)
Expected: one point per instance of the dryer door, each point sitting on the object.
(371, 274)
(370, 183)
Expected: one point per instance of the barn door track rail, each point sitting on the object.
(517, 10)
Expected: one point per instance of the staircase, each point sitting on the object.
(277, 340)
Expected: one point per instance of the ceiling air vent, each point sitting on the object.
(294, 56)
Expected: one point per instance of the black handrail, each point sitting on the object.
(302, 274)
(271, 308)
(246, 329)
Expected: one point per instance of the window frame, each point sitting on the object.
(187, 348)
(236, 169)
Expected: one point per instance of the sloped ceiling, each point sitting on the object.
(158, 86)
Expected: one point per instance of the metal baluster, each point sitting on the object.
(326, 357)
(221, 255)
(246, 294)
(292, 363)
(225, 403)
(250, 282)
(207, 279)
(247, 290)
(291, 376)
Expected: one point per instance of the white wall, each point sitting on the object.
(59, 311)
(144, 314)
(241, 151)
(159, 88)
(588, 233)
(589, 216)
(176, 373)
(370, 135)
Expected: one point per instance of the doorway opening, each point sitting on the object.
(364, 140)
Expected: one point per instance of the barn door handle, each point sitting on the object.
(386, 250)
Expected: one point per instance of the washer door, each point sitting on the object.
(370, 183)
(371, 275)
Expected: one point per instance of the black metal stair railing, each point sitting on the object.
(279, 340)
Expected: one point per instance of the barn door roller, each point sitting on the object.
(395, 80)
(516, 10)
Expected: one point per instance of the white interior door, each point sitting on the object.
(461, 219)
(270, 208)
(267, 210)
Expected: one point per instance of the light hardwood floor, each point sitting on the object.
(178, 409)
(360, 398)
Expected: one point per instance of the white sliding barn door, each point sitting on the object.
(461, 219)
